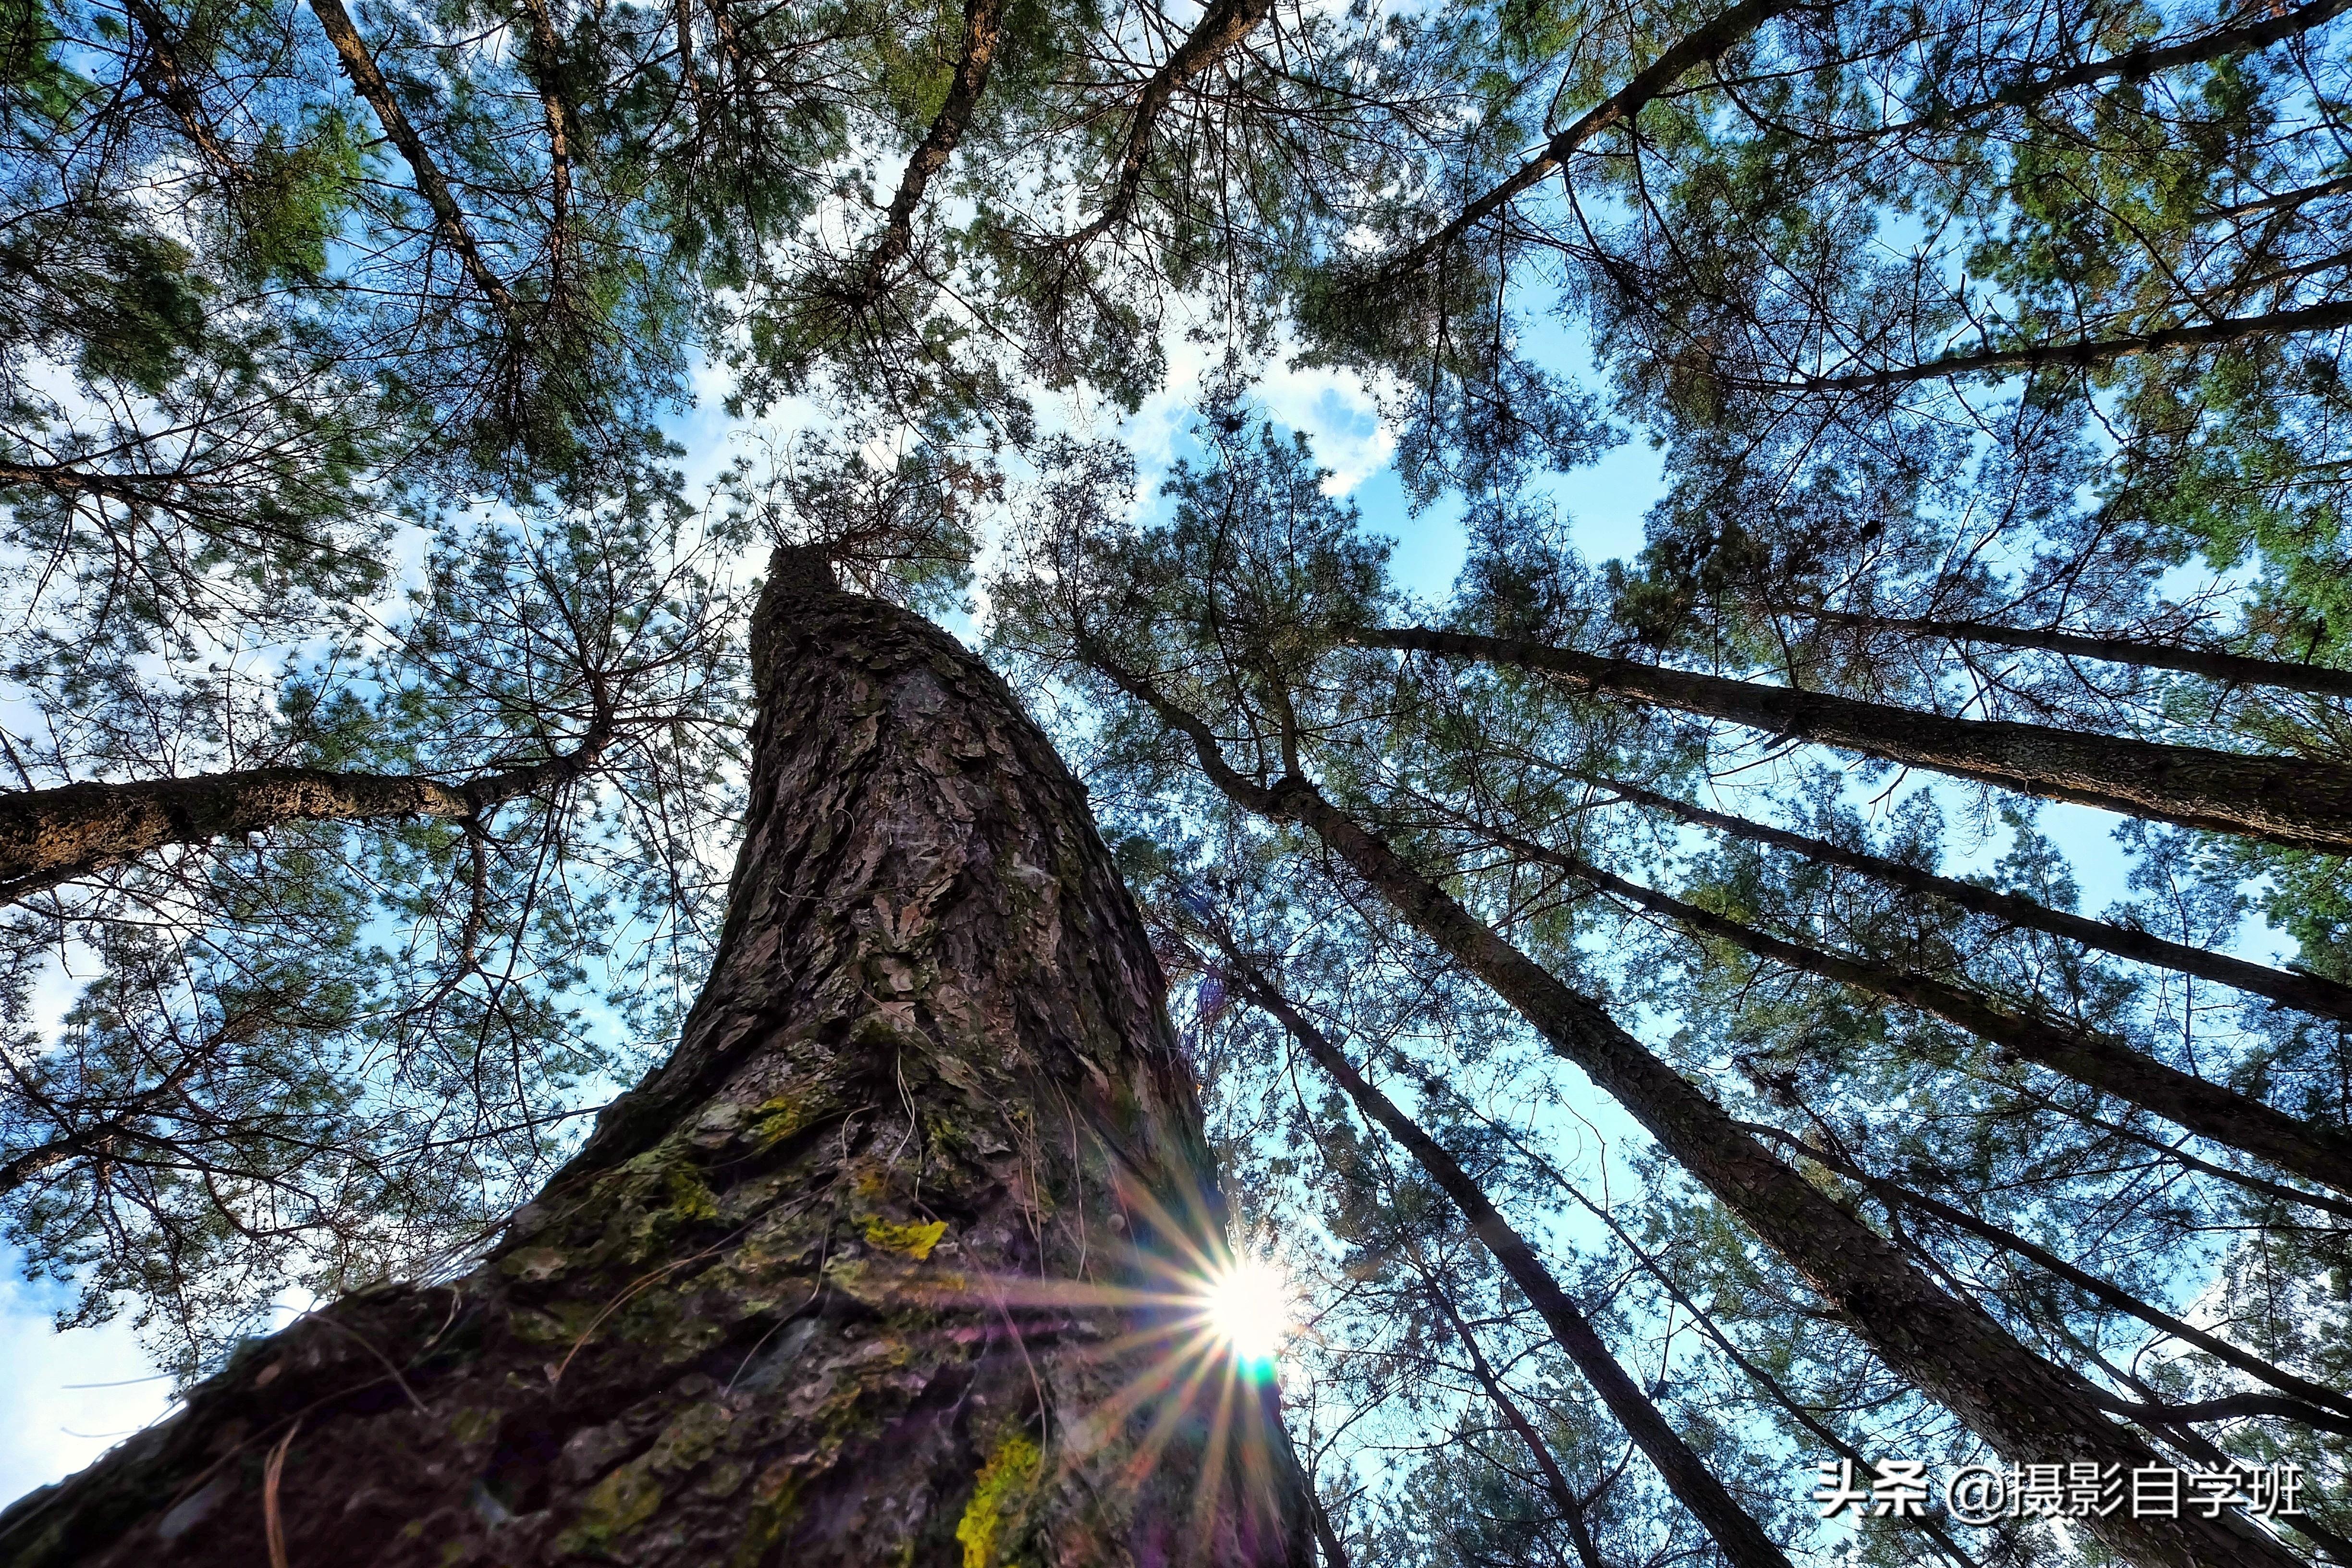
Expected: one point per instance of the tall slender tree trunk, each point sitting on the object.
(1736, 1533)
(870, 1272)
(2230, 668)
(2082, 352)
(2287, 800)
(2026, 1408)
(2311, 992)
(2336, 1405)
(1564, 1501)
(983, 30)
(2099, 1061)
(1795, 1408)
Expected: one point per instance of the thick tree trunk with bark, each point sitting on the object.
(870, 1272)
(2312, 1151)
(2026, 1408)
(1734, 1530)
(2311, 992)
(2286, 800)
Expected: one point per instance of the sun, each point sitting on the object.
(1247, 1308)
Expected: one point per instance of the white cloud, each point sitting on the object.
(67, 1397)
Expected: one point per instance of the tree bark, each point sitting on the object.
(2229, 669)
(2326, 1203)
(52, 836)
(163, 74)
(1734, 1530)
(2285, 800)
(881, 1266)
(2099, 1061)
(2311, 992)
(2026, 1408)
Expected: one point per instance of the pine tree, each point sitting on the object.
(856, 1270)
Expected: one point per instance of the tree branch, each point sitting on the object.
(1222, 26)
(1692, 50)
(448, 219)
(53, 835)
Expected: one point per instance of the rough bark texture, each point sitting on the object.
(2313, 1152)
(2287, 800)
(1734, 1530)
(2026, 1408)
(857, 1277)
(51, 835)
(2311, 992)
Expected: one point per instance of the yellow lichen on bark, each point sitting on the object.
(1002, 1489)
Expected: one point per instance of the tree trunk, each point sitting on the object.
(1734, 1530)
(884, 1265)
(2286, 800)
(2026, 1408)
(2091, 1285)
(2311, 992)
(1794, 1407)
(1564, 1501)
(2084, 353)
(983, 30)
(2099, 1061)
(2229, 669)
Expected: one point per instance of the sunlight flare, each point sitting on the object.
(1248, 1307)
